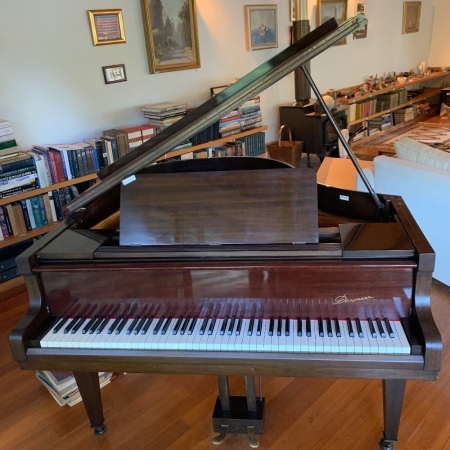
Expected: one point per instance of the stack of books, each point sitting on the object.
(250, 112)
(7, 138)
(63, 387)
(403, 115)
(379, 123)
(18, 173)
(162, 115)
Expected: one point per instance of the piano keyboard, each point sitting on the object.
(371, 336)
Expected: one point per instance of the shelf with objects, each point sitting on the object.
(380, 105)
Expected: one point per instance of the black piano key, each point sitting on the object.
(308, 327)
(259, 327)
(158, 325)
(77, 326)
(359, 328)
(121, 325)
(185, 325)
(337, 327)
(177, 326)
(223, 328)
(239, 326)
(132, 325)
(271, 326)
(102, 325)
(147, 324)
(329, 328)
(279, 326)
(351, 333)
(380, 327)
(192, 325)
(70, 325)
(60, 324)
(389, 328)
(320, 324)
(166, 325)
(371, 328)
(299, 326)
(211, 326)
(231, 326)
(250, 327)
(114, 325)
(204, 325)
(88, 326)
(287, 326)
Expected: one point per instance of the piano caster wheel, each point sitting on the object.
(386, 445)
(221, 436)
(252, 441)
(101, 429)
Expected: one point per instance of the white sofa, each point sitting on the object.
(421, 175)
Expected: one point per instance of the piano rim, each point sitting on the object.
(303, 365)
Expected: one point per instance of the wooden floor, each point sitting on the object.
(159, 412)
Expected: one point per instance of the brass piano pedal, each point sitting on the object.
(252, 441)
(221, 436)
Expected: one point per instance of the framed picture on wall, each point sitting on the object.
(411, 17)
(327, 9)
(261, 26)
(107, 26)
(171, 35)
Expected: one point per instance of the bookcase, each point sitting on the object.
(385, 102)
(7, 285)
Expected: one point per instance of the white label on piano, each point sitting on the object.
(129, 180)
(344, 197)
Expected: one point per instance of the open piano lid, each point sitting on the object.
(268, 73)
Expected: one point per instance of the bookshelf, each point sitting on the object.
(431, 85)
(45, 229)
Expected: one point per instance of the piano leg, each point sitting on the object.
(393, 394)
(89, 387)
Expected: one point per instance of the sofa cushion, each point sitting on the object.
(420, 153)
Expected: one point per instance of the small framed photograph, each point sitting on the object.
(327, 9)
(114, 74)
(106, 26)
(171, 35)
(261, 26)
(411, 17)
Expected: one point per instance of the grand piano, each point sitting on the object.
(232, 266)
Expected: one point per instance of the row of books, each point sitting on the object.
(18, 217)
(232, 148)
(63, 386)
(380, 103)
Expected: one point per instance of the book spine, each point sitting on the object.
(26, 215)
(3, 222)
(13, 165)
(30, 209)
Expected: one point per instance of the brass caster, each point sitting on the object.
(221, 436)
(252, 441)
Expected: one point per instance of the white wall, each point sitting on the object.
(440, 48)
(51, 81)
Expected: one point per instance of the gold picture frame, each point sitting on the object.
(171, 35)
(107, 26)
(327, 9)
(261, 26)
(411, 17)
